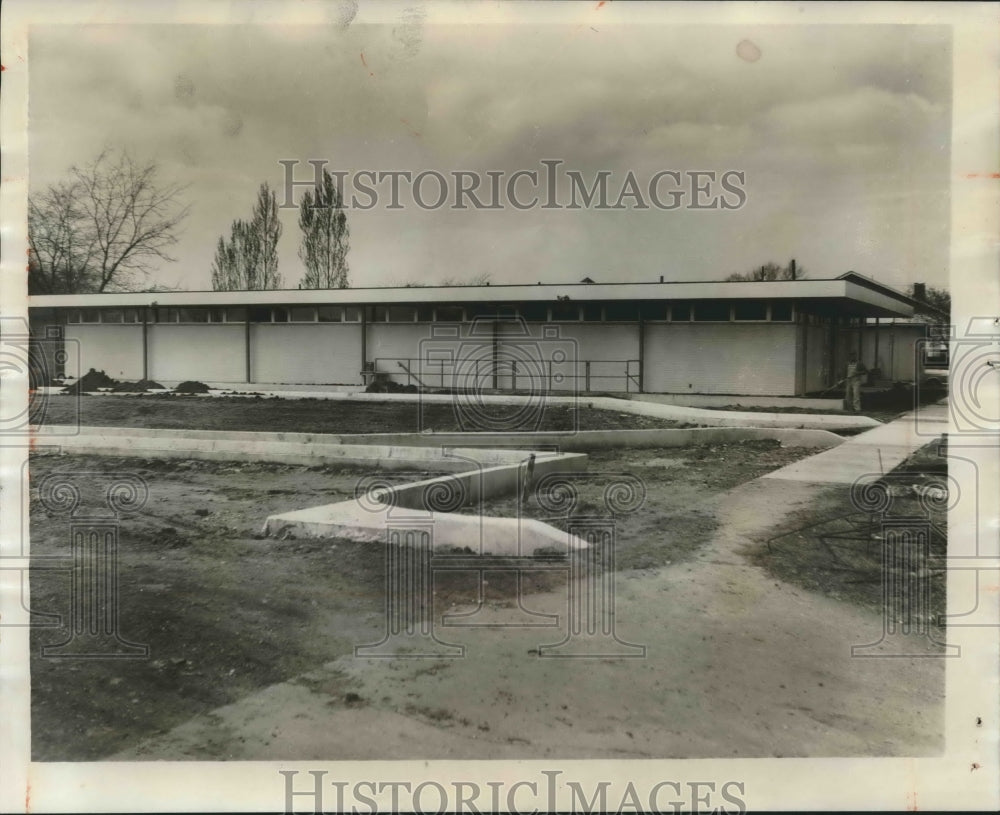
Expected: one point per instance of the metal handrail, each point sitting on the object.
(424, 371)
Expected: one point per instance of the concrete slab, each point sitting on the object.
(483, 535)
(867, 456)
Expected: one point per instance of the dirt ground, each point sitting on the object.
(252, 640)
(275, 414)
(226, 613)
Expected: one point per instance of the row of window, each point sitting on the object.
(677, 311)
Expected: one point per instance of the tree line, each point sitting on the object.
(105, 226)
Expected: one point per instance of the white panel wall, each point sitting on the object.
(392, 343)
(818, 359)
(205, 353)
(896, 351)
(752, 359)
(606, 346)
(114, 349)
(310, 354)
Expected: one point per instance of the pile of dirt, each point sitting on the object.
(388, 386)
(192, 387)
(137, 387)
(91, 381)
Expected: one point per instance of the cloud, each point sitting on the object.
(834, 126)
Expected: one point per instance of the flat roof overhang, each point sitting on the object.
(844, 294)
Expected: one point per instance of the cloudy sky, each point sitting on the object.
(842, 133)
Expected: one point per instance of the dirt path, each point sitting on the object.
(737, 664)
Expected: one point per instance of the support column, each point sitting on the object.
(145, 343)
(496, 354)
(642, 355)
(364, 344)
(246, 347)
(876, 366)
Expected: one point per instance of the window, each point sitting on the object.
(352, 314)
(449, 314)
(132, 315)
(260, 315)
(165, 315)
(484, 311)
(302, 314)
(711, 311)
(236, 315)
(377, 314)
(330, 314)
(401, 314)
(194, 315)
(621, 312)
(781, 311)
(216, 315)
(425, 314)
(749, 310)
(535, 312)
(112, 315)
(680, 312)
(279, 315)
(566, 312)
(593, 312)
(653, 310)
(90, 315)
(73, 316)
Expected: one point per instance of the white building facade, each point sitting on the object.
(781, 338)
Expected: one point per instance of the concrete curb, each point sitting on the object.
(501, 443)
(314, 451)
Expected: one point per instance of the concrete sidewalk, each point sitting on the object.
(870, 455)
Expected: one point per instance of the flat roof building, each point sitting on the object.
(774, 338)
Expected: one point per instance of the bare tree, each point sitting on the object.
(59, 250)
(102, 229)
(770, 271)
(249, 260)
(325, 237)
